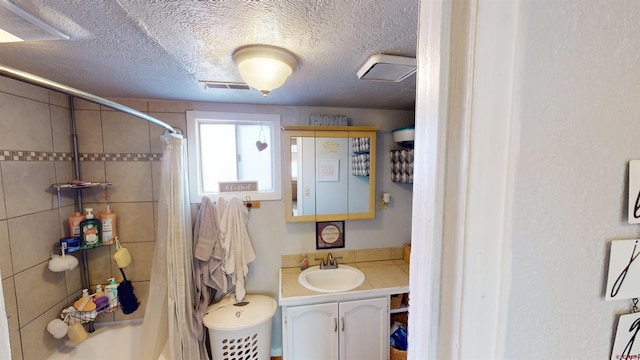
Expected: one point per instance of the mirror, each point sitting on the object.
(330, 173)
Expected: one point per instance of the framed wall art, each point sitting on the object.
(329, 235)
(328, 170)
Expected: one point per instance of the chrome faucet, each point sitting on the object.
(331, 262)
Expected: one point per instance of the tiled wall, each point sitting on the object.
(34, 132)
(35, 152)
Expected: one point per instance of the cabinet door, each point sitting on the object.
(312, 332)
(364, 329)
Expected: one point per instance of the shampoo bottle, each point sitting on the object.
(74, 224)
(99, 292)
(90, 230)
(101, 300)
(108, 222)
(111, 291)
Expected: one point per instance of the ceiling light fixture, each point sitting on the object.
(19, 25)
(384, 67)
(6, 37)
(264, 67)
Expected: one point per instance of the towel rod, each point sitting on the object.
(52, 85)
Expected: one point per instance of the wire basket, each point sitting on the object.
(71, 315)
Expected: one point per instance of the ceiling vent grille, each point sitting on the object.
(391, 68)
(225, 85)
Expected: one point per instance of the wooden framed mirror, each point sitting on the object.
(329, 173)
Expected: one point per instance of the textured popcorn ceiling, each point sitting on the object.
(161, 49)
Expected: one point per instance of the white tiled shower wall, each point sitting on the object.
(33, 119)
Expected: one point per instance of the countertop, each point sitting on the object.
(381, 278)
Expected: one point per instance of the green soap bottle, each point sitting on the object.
(90, 230)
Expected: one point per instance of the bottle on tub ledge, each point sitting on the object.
(90, 230)
(108, 229)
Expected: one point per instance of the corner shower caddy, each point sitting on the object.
(83, 317)
(58, 187)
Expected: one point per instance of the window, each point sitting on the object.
(234, 154)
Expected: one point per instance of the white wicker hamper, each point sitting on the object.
(241, 331)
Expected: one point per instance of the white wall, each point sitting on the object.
(576, 97)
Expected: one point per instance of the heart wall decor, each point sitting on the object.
(261, 145)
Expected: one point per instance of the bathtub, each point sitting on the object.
(110, 341)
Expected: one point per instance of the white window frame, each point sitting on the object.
(195, 118)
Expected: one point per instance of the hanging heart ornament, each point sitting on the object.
(261, 145)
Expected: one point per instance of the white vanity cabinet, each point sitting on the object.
(348, 330)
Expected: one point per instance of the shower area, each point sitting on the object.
(44, 127)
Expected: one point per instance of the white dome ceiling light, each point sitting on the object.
(264, 67)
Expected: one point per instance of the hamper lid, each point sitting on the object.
(232, 315)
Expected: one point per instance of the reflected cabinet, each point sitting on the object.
(330, 173)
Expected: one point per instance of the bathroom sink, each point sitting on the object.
(331, 280)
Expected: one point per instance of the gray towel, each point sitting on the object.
(211, 280)
(207, 234)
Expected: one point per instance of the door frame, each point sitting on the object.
(467, 141)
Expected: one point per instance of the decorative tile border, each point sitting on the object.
(120, 157)
(19, 155)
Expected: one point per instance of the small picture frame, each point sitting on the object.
(329, 235)
(328, 170)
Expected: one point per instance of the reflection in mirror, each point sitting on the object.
(303, 182)
(294, 175)
(359, 181)
(332, 176)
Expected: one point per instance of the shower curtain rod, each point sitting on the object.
(52, 85)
